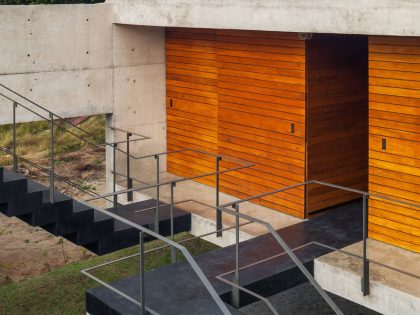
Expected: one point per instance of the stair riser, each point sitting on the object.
(9, 189)
(119, 240)
(48, 214)
(72, 224)
(71, 219)
(24, 204)
(95, 232)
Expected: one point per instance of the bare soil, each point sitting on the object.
(28, 251)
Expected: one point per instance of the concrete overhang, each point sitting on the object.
(374, 17)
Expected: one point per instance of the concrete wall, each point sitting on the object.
(140, 92)
(382, 17)
(73, 61)
(59, 56)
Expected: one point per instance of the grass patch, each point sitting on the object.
(33, 139)
(62, 291)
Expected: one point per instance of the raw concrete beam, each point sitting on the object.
(379, 17)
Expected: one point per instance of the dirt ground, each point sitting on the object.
(28, 251)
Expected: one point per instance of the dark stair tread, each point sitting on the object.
(184, 294)
(9, 176)
(78, 221)
(135, 206)
(99, 216)
(338, 228)
(120, 226)
(59, 197)
(36, 187)
(80, 207)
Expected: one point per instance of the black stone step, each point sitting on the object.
(266, 275)
(92, 232)
(163, 295)
(76, 221)
(12, 184)
(137, 213)
(49, 213)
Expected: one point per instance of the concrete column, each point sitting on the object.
(140, 94)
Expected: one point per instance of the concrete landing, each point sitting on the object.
(265, 269)
(391, 291)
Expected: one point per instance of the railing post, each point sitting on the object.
(52, 158)
(173, 250)
(235, 290)
(129, 180)
(219, 223)
(15, 162)
(142, 279)
(157, 194)
(114, 174)
(365, 276)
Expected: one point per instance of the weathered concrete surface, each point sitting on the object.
(66, 93)
(382, 17)
(391, 292)
(59, 56)
(139, 93)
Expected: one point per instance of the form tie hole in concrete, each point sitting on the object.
(132, 49)
(29, 55)
(87, 53)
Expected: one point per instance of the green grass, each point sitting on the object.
(34, 138)
(62, 291)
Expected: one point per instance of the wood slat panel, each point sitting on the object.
(394, 116)
(262, 91)
(192, 100)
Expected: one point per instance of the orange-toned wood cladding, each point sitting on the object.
(237, 93)
(248, 94)
(337, 143)
(261, 92)
(191, 90)
(394, 117)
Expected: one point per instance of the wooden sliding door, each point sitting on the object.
(394, 139)
(191, 103)
(295, 108)
(242, 94)
(261, 89)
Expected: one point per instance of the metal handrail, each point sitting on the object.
(222, 278)
(189, 258)
(283, 244)
(64, 120)
(285, 247)
(172, 183)
(60, 178)
(51, 113)
(52, 119)
(131, 132)
(175, 181)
